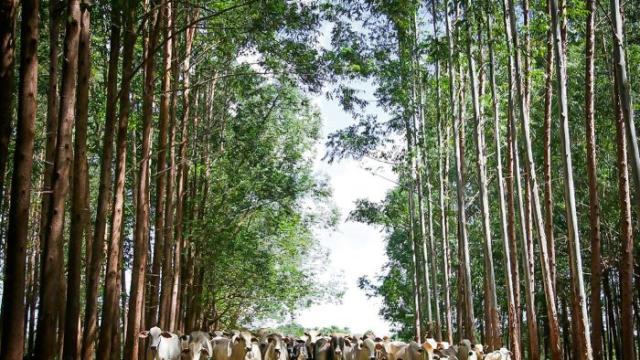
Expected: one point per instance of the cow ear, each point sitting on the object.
(165, 334)
(143, 334)
(347, 341)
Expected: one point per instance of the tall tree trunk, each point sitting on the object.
(111, 288)
(90, 330)
(13, 307)
(167, 266)
(158, 253)
(183, 172)
(416, 154)
(626, 225)
(55, 17)
(512, 314)
(443, 155)
(467, 297)
(511, 221)
(594, 201)
(575, 256)
(80, 195)
(624, 89)
(8, 10)
(514, 64)
(548, 189)
(492, 330)
(141, 234)
(53, 258)
(524, 201)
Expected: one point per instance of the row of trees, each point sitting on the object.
(519, 145)
(152, 177)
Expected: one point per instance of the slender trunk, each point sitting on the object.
(8, 11)
(594, 201)
(626, 227)
(575, 256)
(79, 201)
(167, 267)
(524, 201)
(548, 189)
(111, 289)
(421, 170)
(158, 253)
(53, 258)
(623, 84)
(443, 155)
(138, 272)
(514, 325)
(414, 263)
(56, 9)
(492, 331)
(52, 115)
(104, 191)
(183, 171)
(514, 64)
(466, 294)
(511, 221)
(13, 308)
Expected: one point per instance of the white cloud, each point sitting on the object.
(355, 249)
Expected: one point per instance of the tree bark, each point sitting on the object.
(575, 258)
(626, 226)
(53, 258)
(159, 242)
(8, 10)
(183, 172)
(466, 293)
(90, 330)
(111, 288)
(141, 234)
(548, 188)
(594, 201)
(491, 302)
(623, 84)
(52, 115)
(514, 325)
(514, 64)
(13, 306)
(79, 201)
(167, 266)
(417, 119)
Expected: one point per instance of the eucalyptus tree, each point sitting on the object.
(13, 307)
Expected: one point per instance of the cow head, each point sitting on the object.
(312, 338)
(369, 345)
(337, 347)
(241, 341)
(299, 350)
(156, 335)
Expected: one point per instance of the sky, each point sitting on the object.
(356, 249)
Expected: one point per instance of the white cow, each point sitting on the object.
(197, 345)
(255, 353)
(163, 344)
(235, 348)
(502, 354)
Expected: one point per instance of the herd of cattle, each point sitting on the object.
(266, 345)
